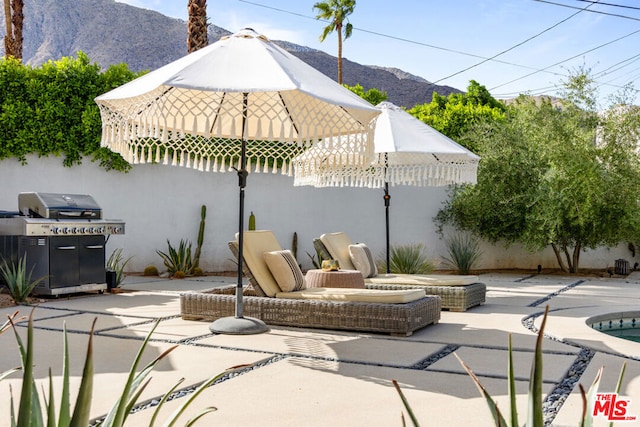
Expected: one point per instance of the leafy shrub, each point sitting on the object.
(463, 252)
(50, 109)
(30, 409)
(178, 262)
(407, 259)
(17, 280)
(117, 263)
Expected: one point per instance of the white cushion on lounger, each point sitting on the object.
(362, 260)
(423, 279)
(338, 246)
(285, 269)
(356, 295)
(256, 243)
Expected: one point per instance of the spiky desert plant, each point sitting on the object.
(117, 263)
(29, 407)
(463, 252)
(196, 255)
(178, 260)
(535, 412)
(409, 259)
(17, 279)
(252, 221)
(150, 270)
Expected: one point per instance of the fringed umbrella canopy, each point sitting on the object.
(407, 152)
(242, 102)
(190, 111)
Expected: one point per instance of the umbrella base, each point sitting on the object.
(238, 326)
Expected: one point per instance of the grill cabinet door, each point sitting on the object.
(92, 264)
(64, 262)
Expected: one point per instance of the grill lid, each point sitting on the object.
(54, 205)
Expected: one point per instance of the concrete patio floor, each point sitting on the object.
(315, 377)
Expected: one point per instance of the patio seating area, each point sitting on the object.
(457, 292)
(398, 312)
(299, 376)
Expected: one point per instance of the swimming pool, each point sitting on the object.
(625, 325)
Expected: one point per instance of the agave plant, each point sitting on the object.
(178, 262)
(409, 259)
(30, 409)
(535, 413)
(17, 279)
(117, 263)
(463, 252)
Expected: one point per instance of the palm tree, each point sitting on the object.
(336, 12)
(13, 20)
(197, 25)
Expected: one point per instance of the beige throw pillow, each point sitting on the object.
(285, 270)
(363, 260)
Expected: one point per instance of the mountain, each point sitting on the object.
(112, 33)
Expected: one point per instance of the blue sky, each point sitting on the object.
(436, 39)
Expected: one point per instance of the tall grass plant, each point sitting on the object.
(407, 259)
(463, 252)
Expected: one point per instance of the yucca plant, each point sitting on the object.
(117, 263)
(178, 262)
(17, 279)
(30, 410)
(535, 412)
(463, 252)
(409, 259)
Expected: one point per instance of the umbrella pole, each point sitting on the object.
(387, 203)
(240, 325)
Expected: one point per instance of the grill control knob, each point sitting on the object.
(117, 230)
(55, 230)
(65, 230)
(75, 230)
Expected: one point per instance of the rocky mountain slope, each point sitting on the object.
(111, 33)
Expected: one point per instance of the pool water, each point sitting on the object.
(625, 334)
(625, 325)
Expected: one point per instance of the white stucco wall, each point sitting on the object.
(162, 202)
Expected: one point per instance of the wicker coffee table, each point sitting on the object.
(334, 279)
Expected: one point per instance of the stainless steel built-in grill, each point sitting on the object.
(63, 237)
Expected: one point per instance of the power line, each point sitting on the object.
(628, 61)
(568, 59)
(611, 4)
(485, 59)
(376, 33)
(516, 45)
(590, 10)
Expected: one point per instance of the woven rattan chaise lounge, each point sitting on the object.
(458, 292)
(326, 308)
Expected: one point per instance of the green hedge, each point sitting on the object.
(50, 110)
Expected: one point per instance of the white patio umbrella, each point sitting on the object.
(241, 102)
(407, 152)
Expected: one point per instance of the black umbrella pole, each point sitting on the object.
(242, 176)
(387, 203)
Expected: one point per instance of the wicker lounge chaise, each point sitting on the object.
(458, 292)
(385, 311)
